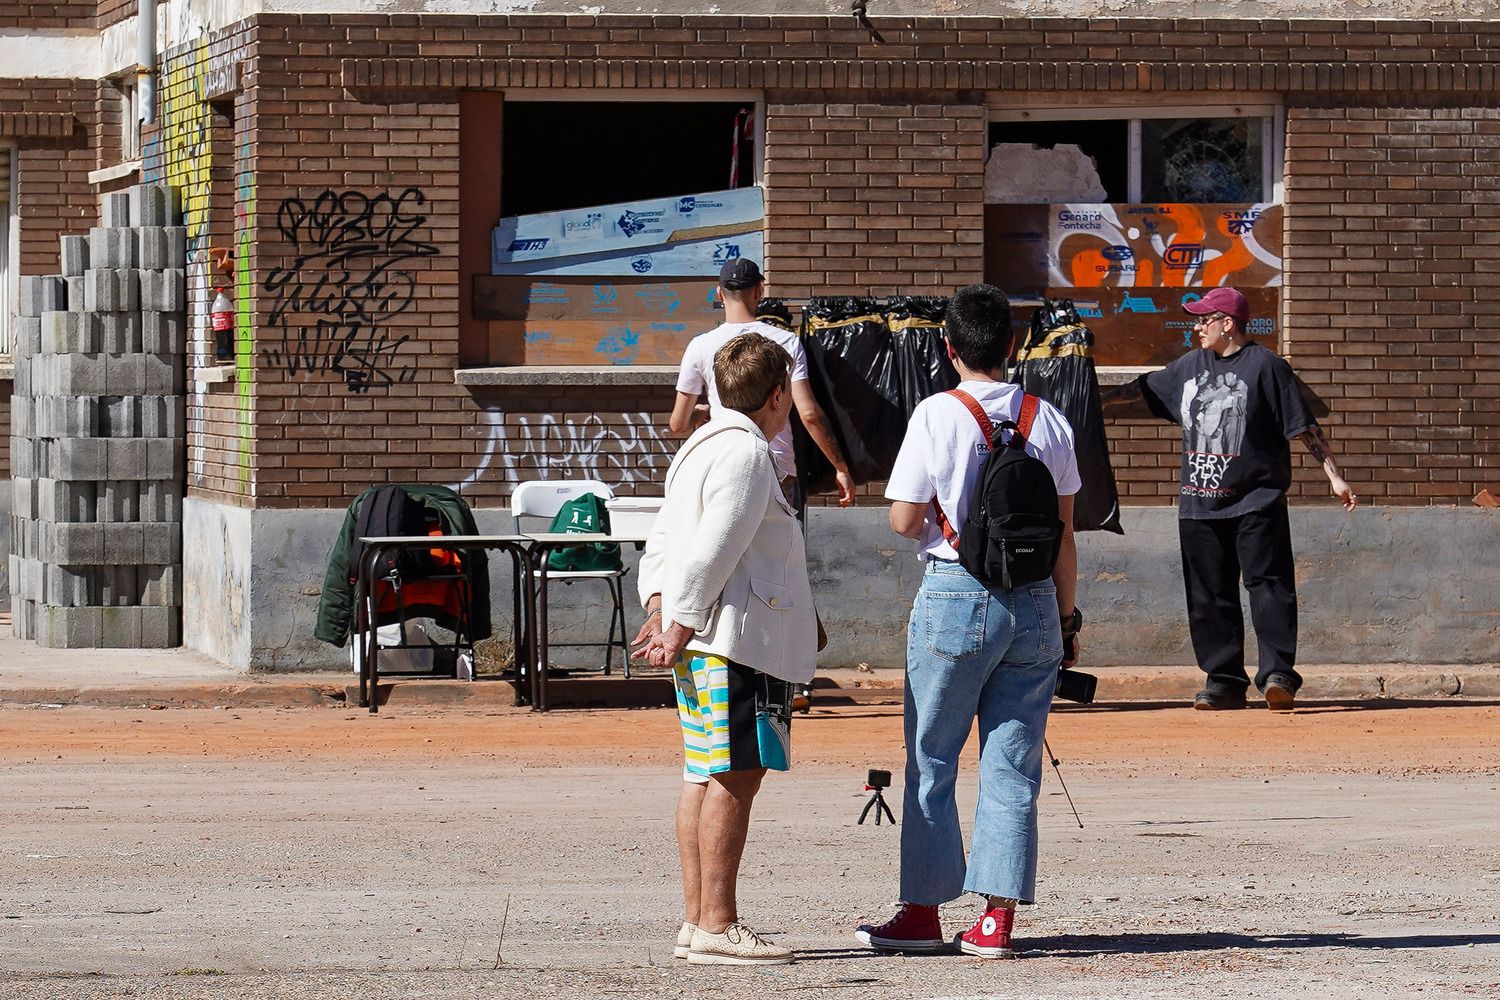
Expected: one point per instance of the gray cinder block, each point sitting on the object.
(122, 543)
(163, 291)
(127, 458)
(70, 333)
(119, 333)
(61, 501)
(119, 501)
(153, 205)
(23, 413)
(75, 255)
(120, 628)
(162, 416)
(162, 375)
(23, 619)
(112, 248)
(69, 628)
(114, 209)
(79, 459)
(111, 290)
(23, 497)
(124, 374)
(69, 586)
(77, 291)
(161, 543)
(72, 416)
(164, 461)
(118, 586)
(28, 337)
(160, 586)
(161, 500)
(160, 248)
(163, 333)
(73, 544)
(119, 416)
(43, 293)
(161, 627)
(77, 375)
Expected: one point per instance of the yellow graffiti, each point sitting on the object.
(186, 144)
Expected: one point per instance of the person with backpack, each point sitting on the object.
(984, 481)
(1239, 405)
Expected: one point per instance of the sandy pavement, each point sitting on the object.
(1344, 851)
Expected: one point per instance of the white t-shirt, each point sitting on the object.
(944, 448)
(698, 374)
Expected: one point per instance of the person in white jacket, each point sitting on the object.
(729, 608)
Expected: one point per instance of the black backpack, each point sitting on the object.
(391, 511)
(1012, 534)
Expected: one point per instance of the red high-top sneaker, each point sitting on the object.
(913, 928)
(990, 935)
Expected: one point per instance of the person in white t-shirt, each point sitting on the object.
(975, 650)
(741, 285)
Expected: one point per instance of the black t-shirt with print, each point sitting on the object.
(1237, 415)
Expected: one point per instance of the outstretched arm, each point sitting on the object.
(1318, 447)
(812, 418)
(1119, 395)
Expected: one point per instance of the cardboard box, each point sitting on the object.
(626, 228)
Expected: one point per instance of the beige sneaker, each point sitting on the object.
(738, 945)
(684, 941)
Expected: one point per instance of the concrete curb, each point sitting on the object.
(837, 687)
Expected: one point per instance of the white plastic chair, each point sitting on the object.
(533, 504)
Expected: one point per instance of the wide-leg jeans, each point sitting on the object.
(975, 651)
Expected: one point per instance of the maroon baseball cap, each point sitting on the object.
(1224, 300)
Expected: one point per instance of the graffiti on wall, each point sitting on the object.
(627, 448)
(333, 302)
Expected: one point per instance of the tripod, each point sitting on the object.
(878, 803)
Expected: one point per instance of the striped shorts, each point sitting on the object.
(734, 718)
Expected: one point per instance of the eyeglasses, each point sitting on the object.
(1205, 320)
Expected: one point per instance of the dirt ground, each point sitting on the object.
(1345, 850)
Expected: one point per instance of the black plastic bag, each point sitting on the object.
(774, 312)
(1057, 364)
(852, 372)
(922, 365)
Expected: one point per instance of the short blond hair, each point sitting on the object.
(747, 369)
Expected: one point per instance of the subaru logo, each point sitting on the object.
(1117, 252)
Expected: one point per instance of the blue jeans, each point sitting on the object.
(973, 650)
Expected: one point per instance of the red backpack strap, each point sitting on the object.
(988, 430)
(1029, 407)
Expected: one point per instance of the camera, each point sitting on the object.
(1075, 685)
(878, 779)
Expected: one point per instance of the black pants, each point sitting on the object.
(1215, 555)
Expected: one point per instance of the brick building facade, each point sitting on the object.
(293, 137)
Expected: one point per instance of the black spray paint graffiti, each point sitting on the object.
(333, 302)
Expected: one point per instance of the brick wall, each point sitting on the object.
(1393, 219)
(873, 166)
(48, 15)
(111, 11)
(883, 199)
(55, 197)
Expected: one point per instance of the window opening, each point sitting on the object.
(560, 155)
(130, 119)
(9, 283)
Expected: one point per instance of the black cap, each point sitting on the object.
(739, 274)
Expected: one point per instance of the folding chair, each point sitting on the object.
(533, 504)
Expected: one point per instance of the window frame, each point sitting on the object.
(1273, 133)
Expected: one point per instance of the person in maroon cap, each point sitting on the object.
(1239, 405)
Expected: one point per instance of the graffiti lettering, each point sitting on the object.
(630, 448)
(344, 284)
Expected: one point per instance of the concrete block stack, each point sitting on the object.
(99, 435)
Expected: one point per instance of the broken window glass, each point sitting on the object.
(1201, 160)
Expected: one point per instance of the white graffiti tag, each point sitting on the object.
(627, 448)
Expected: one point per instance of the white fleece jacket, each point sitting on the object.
(726, 553)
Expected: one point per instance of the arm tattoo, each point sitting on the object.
(1317, 446)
